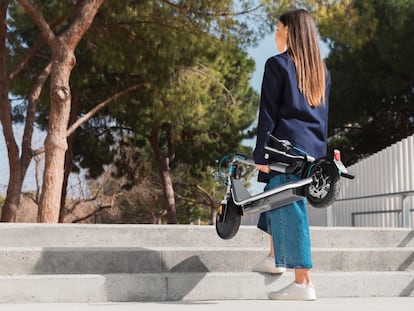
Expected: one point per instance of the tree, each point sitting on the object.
(372, 97)
(181, 18)
(168, 50)
(195, 93)
(170, 36)
(62, 60)
(198, 95)
(337, 20)
(5, 116)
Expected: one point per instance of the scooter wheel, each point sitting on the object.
(324, 189)
(228, 220)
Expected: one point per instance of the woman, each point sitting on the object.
(293, 106)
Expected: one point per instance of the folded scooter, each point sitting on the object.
(318, 182)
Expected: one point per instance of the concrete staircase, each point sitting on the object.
(99, 263)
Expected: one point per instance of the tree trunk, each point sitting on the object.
(168, 190)
(63, 60)
(164, 171)
(13, 190)
(55, 144)
(12, 201)
(213, 214)
(68, 160)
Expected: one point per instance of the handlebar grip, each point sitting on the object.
(347, 175)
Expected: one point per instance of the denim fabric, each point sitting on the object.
(289, 228)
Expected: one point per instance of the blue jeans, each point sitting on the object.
(289, 228)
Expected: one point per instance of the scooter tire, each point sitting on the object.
(228, 220)
(324, 190)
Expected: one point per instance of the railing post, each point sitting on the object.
(405, 208)
(330, 221)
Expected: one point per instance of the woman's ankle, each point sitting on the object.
(302, 276)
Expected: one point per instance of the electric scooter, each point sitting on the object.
(318, 183)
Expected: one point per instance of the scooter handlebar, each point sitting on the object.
(347, 175)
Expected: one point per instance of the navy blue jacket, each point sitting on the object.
(285, 113)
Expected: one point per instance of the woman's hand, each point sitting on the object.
(263, 168)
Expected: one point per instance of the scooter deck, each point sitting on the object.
(271, 199)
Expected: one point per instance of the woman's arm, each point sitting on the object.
(268, 111)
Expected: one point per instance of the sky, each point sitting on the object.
(38, 139)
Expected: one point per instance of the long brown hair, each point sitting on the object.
(303, 47)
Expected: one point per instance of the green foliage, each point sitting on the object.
(372, 97)
(95, 149)
(189, 57)
(349, 22)
(198, 83)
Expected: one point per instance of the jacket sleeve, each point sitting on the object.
(268, 111)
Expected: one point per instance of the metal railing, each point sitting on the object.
(390, 174)
(404, 210)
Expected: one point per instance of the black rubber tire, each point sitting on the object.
(228, 221)
(324, 190)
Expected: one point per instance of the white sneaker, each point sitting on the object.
(267, 265)
(295, 291)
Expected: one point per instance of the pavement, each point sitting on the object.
(324, 304)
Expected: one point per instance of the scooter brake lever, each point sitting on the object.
(347, 175)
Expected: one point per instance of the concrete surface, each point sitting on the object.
(327, 304)
(79, 235)
(195, 286)
(105, 260)
(42, 263)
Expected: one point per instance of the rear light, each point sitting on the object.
(337, 155)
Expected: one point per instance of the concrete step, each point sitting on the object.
(56, 235)
(98, 263)
(53, 288)
(71, 260)
(195, 286)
